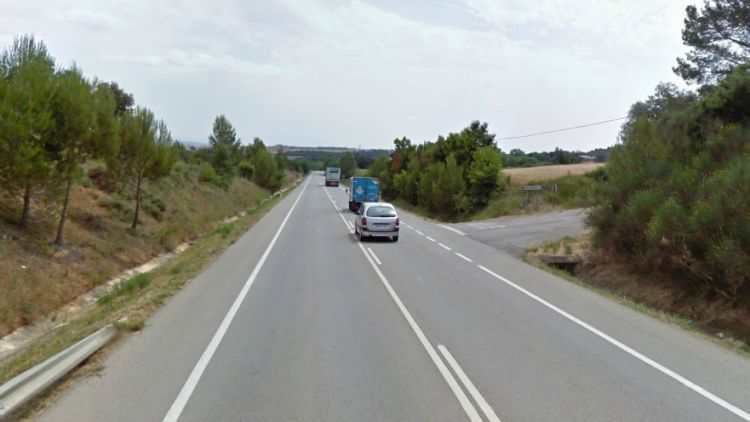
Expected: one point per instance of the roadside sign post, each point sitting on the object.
(533, 188)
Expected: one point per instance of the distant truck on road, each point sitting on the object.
(363, 189)
(333, 176)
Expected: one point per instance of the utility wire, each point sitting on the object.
(563, 129)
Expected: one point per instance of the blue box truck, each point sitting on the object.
(363, 189)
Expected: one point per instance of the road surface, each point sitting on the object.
(297, 321)
(515, 234)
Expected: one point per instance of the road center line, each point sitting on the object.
(447, 248)
(468, 407)
(627, 349)
(463, 400)
(464, 257)
(486, 408)
(447, 227)
(187, 390)
(375, 257)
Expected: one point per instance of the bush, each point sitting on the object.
(207, 174)
(121, 208)
(678, 186)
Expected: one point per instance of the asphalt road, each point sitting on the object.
(297, 321)
(515, 234)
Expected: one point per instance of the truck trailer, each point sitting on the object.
(363, 189)
(333, 176)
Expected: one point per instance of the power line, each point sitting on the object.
(563, 129)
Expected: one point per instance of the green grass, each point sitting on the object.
(572, 192)
(224, 230)
(130, 325)
(127, 287)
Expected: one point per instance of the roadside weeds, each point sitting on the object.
(618, 293)
(129, 306)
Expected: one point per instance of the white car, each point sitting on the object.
(376, 219)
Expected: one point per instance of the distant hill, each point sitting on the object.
(330, 155)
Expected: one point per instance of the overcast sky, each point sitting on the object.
(361, 73)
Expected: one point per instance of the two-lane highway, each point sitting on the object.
(299, 321)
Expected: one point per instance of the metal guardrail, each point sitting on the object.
(26, 385)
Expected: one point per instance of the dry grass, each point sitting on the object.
(657, 294)
(522, 175)
(37, 279)
(136, 305)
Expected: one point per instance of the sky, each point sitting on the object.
(362, 73)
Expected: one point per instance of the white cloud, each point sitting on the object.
(91, 18)
(193, 61)
(357, 73)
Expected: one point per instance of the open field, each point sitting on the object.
(522, 175)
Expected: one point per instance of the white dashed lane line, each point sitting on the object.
(429, 238)
(419, 233)
(464, 257)
(447, 248)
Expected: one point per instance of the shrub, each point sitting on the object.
(207, 174)
(677, 189)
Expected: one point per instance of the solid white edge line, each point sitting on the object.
(452, 229)
(486, 408)
(429, 238)
(638, 355)
(447, 248)
(464, 257)
(375, 257)
(187, 389)
(449, 378)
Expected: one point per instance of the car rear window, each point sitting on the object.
(381, 211)
(333, 170)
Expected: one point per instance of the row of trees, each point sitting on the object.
(52, 120)
(229, 158)
(679, 180)
(449, 177)
(518, 158)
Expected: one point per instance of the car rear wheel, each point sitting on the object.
(395, 238)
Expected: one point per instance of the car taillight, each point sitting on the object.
(364, 221)
(397, 221)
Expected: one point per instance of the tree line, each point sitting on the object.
(678, 185)
(53, 120)
(518, 158)
(227, 158)
(450, 176)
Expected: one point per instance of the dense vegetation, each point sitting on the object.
(54, 121)
(679, 180)
(449, 177)
(320, 157)
(519, 158)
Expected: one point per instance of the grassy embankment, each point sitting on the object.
(657, 294)
(37, 279)
(136, 299)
